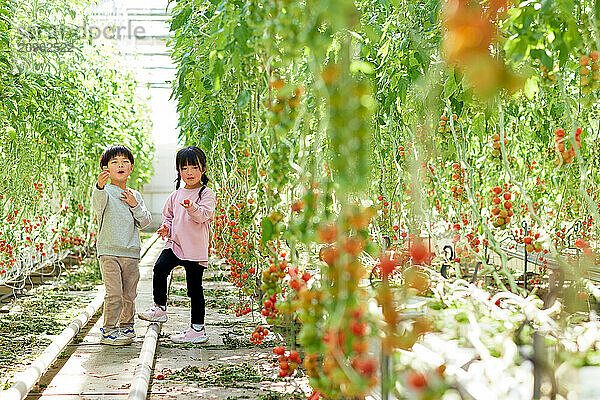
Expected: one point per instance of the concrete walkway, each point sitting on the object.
(228, 348)
(96, 371)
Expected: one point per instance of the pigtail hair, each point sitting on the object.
(205, 179)
(178, 181)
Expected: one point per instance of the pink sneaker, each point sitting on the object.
(154, 314)
(190, 336)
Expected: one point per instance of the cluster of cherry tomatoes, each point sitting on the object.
(458, 189)
(444, 124)
(532, 244)
(270, 310)
(566, 156)
(242, 309)
(288, 363)
(589, 72)
(239, 274)
(258, 335)
(502, 207)
(497, 147)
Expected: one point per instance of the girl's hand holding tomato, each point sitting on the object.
(186, 203)
(163, 232)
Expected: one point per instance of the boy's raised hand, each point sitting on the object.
(103, 178)
(128, 197)
(163, 232)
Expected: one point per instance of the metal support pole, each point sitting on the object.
(524, 225)
(538, 364)
(578, 226)
(385, 358)
(385, 366)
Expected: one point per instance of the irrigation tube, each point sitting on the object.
(28, 378)
(143, 370)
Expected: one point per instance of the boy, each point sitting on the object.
(121, 213)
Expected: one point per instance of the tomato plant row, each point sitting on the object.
(340, 129)
(57, 113)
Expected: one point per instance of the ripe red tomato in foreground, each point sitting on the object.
(416, 381)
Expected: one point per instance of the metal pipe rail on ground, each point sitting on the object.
(143, 369)
(25, 381)
(593, 273)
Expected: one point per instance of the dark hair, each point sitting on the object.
(113, 151)
(191, 155)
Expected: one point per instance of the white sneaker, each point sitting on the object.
(153, 314)
(190, 336)
(128, 331)
(114, 337)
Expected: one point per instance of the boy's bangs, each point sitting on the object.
(118, 153)
(114, 151)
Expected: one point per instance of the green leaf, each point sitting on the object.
(547, 60)
(222, 6)
(212, 58)
(206, 142)
(546, 6)
(267, 230)
(361, 66)
(449, 86)
(218, 117)
(404, 44)
(4, 38)
(199, 83)
(383, 50)
(11, 105)
(402, 89)
(531, 87)
(516, 48)
(536, 54)
(478, 124)
(241, 33)
(180, 18)
(243, 99)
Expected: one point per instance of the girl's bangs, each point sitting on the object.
(186, 158)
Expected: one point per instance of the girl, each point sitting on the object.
(187, 215)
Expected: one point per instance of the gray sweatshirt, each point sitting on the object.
(118, 223)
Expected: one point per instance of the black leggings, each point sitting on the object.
(193, 276)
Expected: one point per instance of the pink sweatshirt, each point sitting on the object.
(188, 229)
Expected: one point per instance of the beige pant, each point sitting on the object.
(120, 276)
